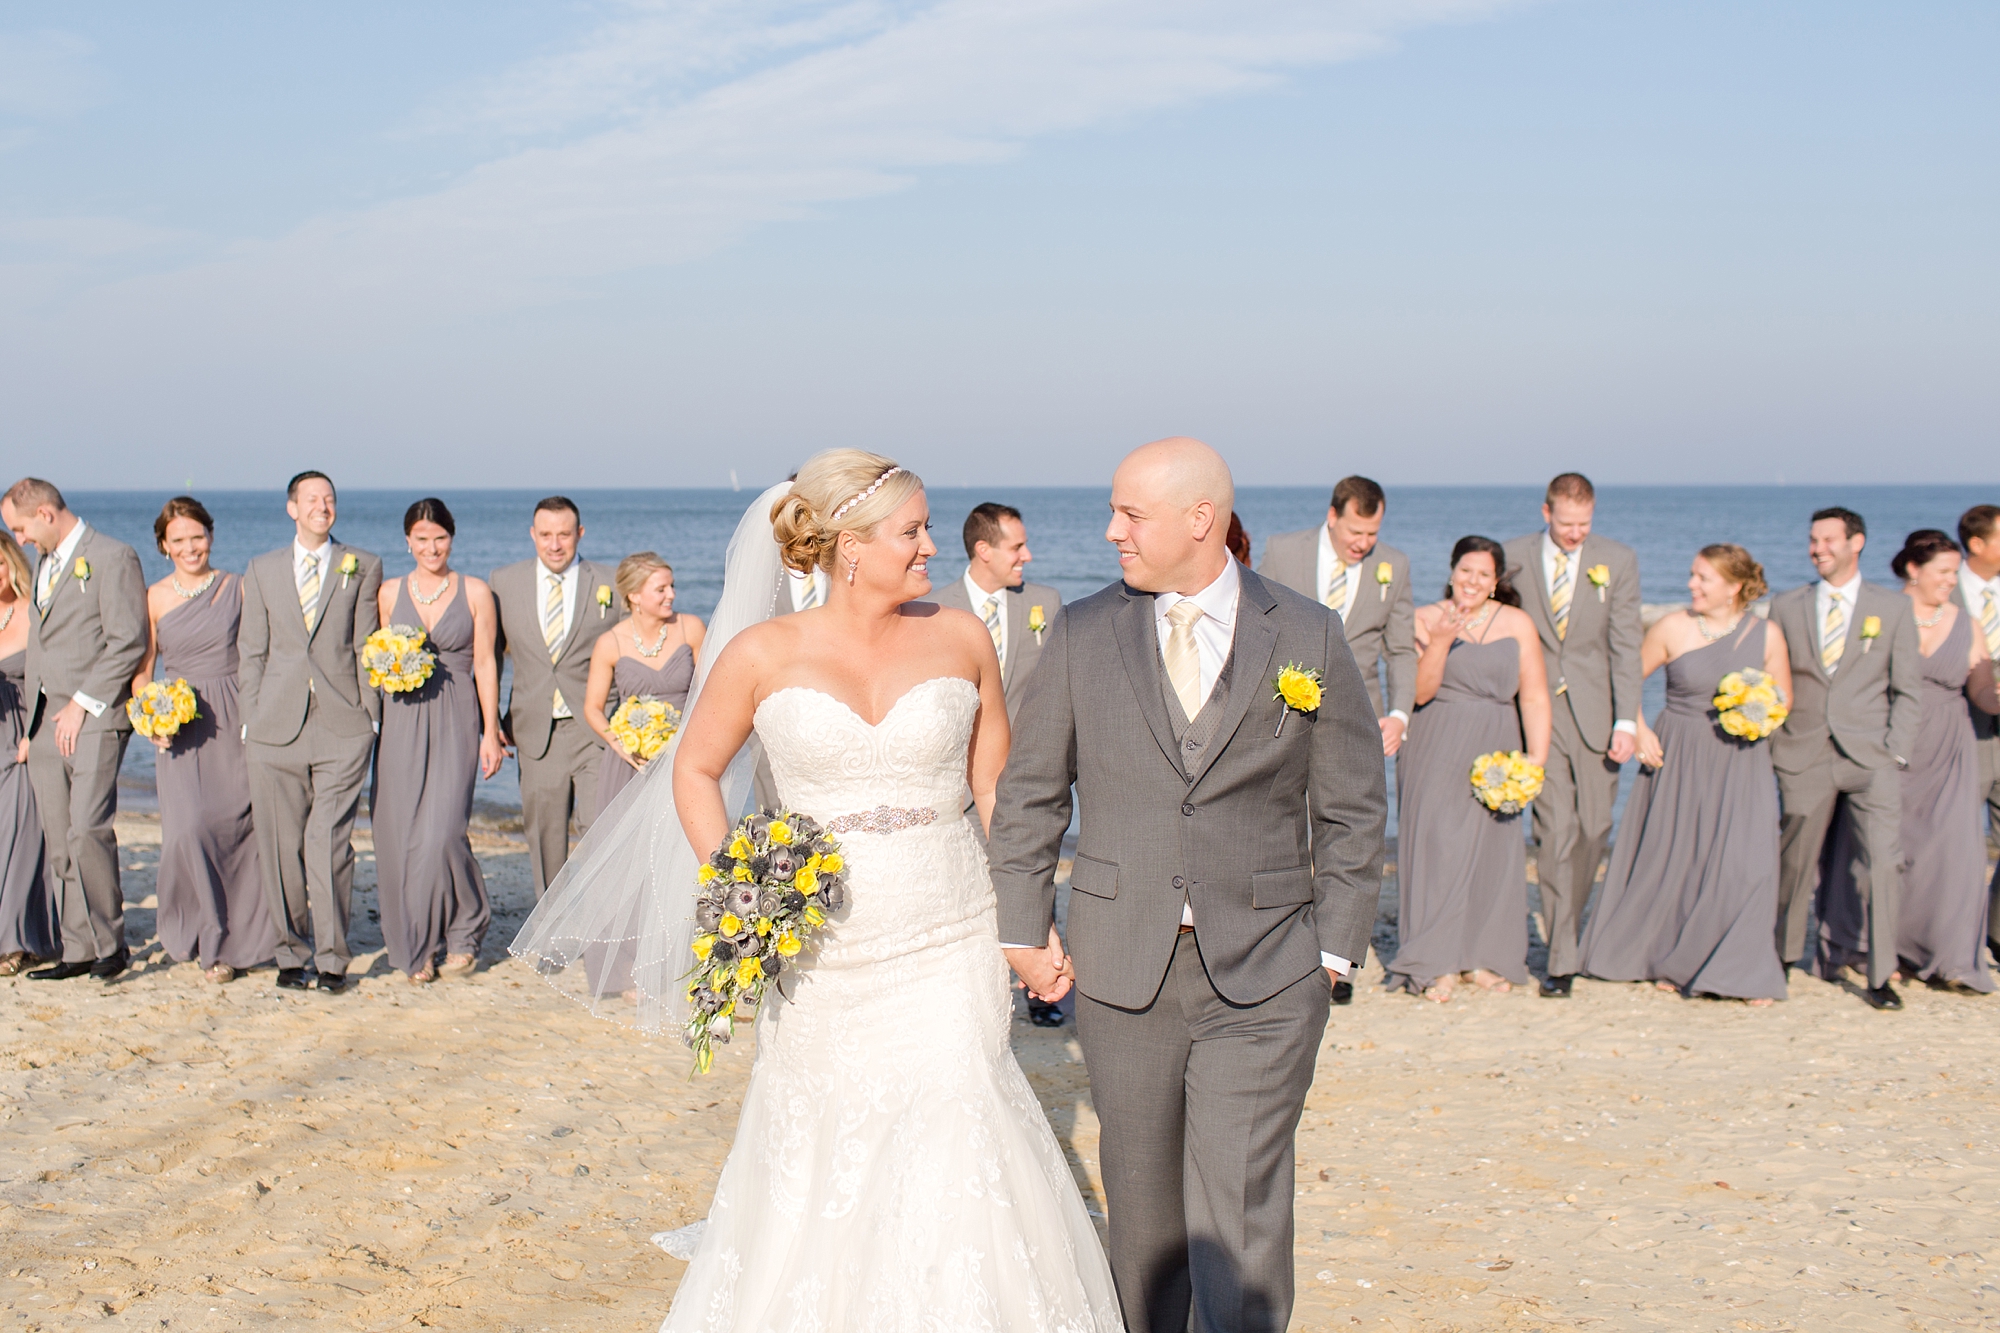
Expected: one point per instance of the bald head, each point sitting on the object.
(1170, 506)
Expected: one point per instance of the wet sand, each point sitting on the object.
(483, 1155)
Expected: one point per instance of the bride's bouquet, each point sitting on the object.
(643, 725)
(396, 659)
(762, 896)
(1747, 705)
(1504, 781)
(160, 710)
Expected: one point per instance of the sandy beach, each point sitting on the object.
(483, 1155)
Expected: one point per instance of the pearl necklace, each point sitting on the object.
(1701, 623)
(188, 594)
(7, 619)
(422, 600)
(1921, 622)
(658, 644)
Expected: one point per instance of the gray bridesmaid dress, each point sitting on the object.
(211, 887)
(27, 909)
(669, 682)
(1463, 870)
(1941, 926)
(1691, 895)
(427, 881)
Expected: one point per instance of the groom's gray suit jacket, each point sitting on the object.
(1275, 839)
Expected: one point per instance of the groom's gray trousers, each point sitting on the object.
(1199, 1100)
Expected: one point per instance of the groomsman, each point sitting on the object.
(792, 593)
(1017, 614)
(1855, 707)
(309, 723)
(1979, 595)
(1583, 594)
(552, 608)
(86, 640)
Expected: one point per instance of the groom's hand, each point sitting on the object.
(1045, 972)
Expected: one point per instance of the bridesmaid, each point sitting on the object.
(628, 661)
(1690, 900)
(1481, 684)
(436, 742)
(28, 932)
(211, 888)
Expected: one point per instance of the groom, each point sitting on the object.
(1227, 870)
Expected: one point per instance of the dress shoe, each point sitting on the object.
(333, 983)
(1045, 1015)
(293, 978)
(1343, 992)
(64, 971)
(1557, 988)
(1882, 997)
(106, 968)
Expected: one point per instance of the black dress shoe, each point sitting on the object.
(293, 978)
(1882, 997)
(1044, 1015)
(106, 968)
(1557, 988)
(64, 971)
(1343, 992)
(333, 983)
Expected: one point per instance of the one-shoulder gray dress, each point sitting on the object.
(669, 682)
(1462, 870)
(211, 887)
(427, 881)
(1941, 925)
(1691, 894)
(27, 908)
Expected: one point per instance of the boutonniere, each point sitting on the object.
(349, 566)
(603, 598)
(1599, 575)
(1298, 689)
(1871, 630)
(1037, 622)
(82, 571)
(1385, 574)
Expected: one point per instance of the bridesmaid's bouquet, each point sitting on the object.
(1747, 704)
(1504, 781)
(397, 660)
(761, 898)
(160, 710)
(643, 725)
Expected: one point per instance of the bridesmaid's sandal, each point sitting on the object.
(14, 964)
(219, 975)
(459, 965)
(1440, 992)
(1492, 982)
(424, 975)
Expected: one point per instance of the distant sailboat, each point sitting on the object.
(734, 484)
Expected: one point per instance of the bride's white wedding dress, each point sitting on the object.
(892, 1169)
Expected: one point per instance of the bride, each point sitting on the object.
(892, 1168)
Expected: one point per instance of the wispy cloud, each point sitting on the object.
(46, 75)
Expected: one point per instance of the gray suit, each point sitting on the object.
(1594, 681)
(1024, 647)
(90, 639)
(1847, 734)
(309, 721)
(1201, 1044)
(1381, 619)
(558, 757)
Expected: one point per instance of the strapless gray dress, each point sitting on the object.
(211, 886)
(1462, 870)
(1691, 895)
(428, 884)
(27, 908)
(669, 682)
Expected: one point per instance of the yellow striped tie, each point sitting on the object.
(309, 590)
(1832, 635)
(990, 613)
(1336, 587)
(1559, 596)
(809, 598)
(1989, 620)
(552, 632)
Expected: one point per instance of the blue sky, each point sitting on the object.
(1004, 240)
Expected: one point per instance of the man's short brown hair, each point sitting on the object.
(1977, 522)
(1363, 494)
(31, 493)
(983, 525)
(1572, 486)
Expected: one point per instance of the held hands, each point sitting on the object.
(491, 754)
(1651, 753)
(1047, 973)
(1392, 734)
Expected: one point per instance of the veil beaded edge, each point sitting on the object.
(614, 930)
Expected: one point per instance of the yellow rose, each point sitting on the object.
(748, 972)
(730, 924)
(703, 946)
(741, 874)
(763, 925)
(832, 864)
(815, 917)
(781, 833)
(788, 944)
(1299, 688)
(1385, 573)
(739, 847)
(1599, 574)
(806, 881)
(1037, 622)
(1871, 627)
(707, 874)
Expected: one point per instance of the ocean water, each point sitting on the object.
(690, 528)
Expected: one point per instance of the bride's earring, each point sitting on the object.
(852, 565)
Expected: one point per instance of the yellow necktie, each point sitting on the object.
(810, 597)
(1559, 596)
(990, 613)
(1832, 635)
(1989, 620)
(552, 634)
(1336, 588)
(1183, 658)
(309, 590)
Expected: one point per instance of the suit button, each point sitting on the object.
(1187, 808)
(1179, 883)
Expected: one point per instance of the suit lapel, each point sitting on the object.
(1250, 673)
(1015, 603)
(1139, 648)
(64, 575)
(1361, 608)
(587, 584)
(1806, 608)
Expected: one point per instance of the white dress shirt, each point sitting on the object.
(1823, 595)
(978, 596)
(52, 570)
(299, 554)
(1974, 590)
(568, 577)
(798, 583)
(1577, 581)
(1324, 573)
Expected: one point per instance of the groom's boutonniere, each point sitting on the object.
(603, 598)
(1037, 622)
(1599, 575)
(1298, 689)
(1871, 630)
(1385, 574)
(349, 567)
(82, 571)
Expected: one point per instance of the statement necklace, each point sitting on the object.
(1701, 623)
(188, 593)
(1921, 622)
(658, 643)
(422, 600)
(7, 619)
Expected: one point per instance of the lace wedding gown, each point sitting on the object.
(892, 1169)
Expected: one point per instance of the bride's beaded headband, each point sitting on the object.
(865, 494)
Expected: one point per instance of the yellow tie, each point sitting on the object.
(810, 597)
(1183, 658)
(990, 613)
(1833, 635)
(1559, 596)
(309, 590)
(1989, 620)
(552, 633)
(1336, 588)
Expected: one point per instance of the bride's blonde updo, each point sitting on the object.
(838, 490)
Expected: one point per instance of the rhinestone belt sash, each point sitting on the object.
(887, 819)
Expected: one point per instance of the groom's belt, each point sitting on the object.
(891, 819)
